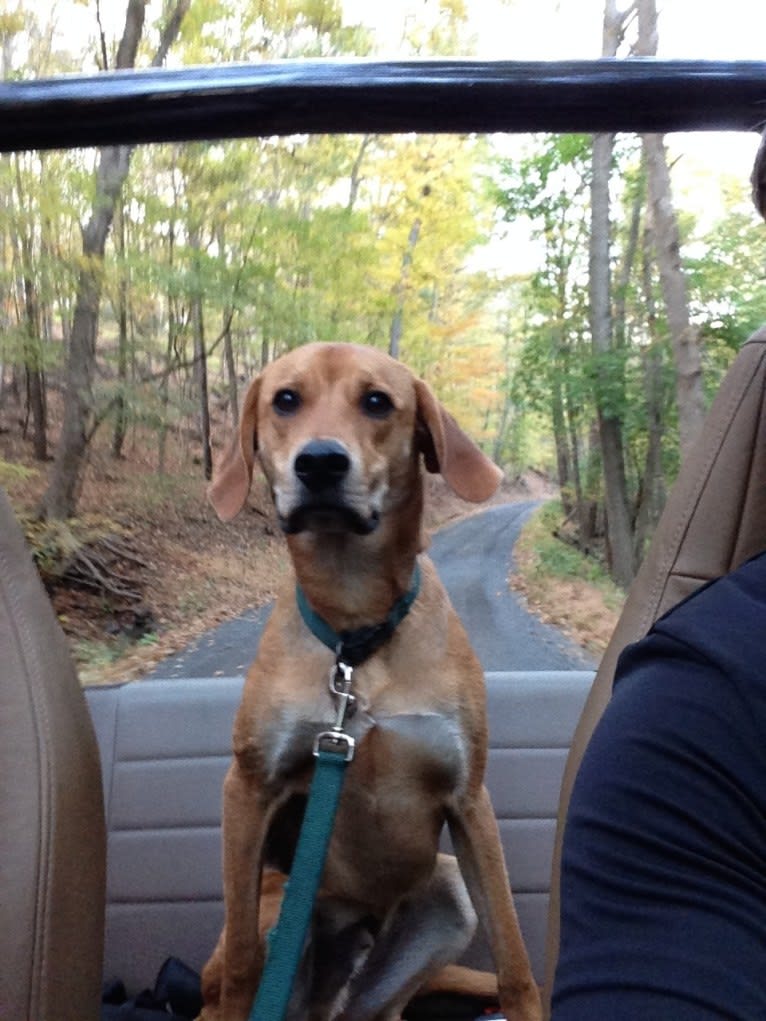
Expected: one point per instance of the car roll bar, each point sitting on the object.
(360, 96)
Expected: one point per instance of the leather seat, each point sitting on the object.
(52, 844)
(714, 520)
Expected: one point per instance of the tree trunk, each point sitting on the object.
(667, 240)
(200, 356)
(397, 323)
(33, 361)
(653, 484)
(165, 385)
(204, 402)
(355, 178)
(579, 496)
(683, 333)
(228, 346)
(560, 439)
(231, 372)
(620, 537)
(60, 497)
(33, 354)
(121, 409)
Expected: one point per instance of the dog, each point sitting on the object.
(340, 432)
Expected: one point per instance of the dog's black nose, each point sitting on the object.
(322, 464)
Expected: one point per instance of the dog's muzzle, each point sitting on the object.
(322, 468)
(322, 465)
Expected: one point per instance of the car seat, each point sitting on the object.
(52, 844)
(714, 520)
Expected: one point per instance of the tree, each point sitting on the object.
(550, 188)
(621, 564)
(60, 497)
(666, 236)
(32, 328)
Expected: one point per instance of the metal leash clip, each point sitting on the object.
(340, 688)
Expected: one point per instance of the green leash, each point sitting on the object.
(287, 940)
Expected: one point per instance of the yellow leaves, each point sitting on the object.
(462, 362)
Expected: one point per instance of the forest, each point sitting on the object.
(143, 287)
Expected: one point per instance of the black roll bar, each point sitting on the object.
(297, 96)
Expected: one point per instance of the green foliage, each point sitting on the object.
(54, 543)
(92, 655)
(555, 558)
(727, 278)
(290, 240)
(12, 474)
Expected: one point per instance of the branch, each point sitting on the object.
(102, 36)
(119, 549)
(170, 32)
(159, 376)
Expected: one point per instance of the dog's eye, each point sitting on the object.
(377, 404)
(286, 402)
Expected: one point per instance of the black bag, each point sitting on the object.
(176, 995)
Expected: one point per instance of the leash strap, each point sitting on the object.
(287, 939)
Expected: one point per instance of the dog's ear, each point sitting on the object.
(234, 474)
(448, 451)
(758, 178)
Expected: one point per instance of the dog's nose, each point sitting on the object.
(322, 464)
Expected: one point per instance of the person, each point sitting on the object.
(663, 879)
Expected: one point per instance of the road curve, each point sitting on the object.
(473, 557)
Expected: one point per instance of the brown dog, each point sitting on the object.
(339, 431)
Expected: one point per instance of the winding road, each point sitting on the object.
(473, 557)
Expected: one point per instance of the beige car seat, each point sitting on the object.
(52, 845)
(714, 520)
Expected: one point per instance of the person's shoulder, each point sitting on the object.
(725, 620)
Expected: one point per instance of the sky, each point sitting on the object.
(571, 29)
(561, 29)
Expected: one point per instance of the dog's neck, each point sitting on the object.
(352, 581)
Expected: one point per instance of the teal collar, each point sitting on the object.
(354, 647)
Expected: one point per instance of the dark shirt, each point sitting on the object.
(663, 885)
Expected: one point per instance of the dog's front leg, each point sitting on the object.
(479, 852)
(230, 978)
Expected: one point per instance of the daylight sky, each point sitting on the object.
(571, 29)
(560, 29)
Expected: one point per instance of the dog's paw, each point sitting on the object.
(522, 1004)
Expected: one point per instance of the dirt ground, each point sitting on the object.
(585, 611)
(575, 607)
(188, 571)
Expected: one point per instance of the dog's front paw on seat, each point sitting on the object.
(234, 1009)
(522, 1004)
(226, 1008)
(222, 1002)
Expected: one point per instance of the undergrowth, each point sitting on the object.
(563, 586)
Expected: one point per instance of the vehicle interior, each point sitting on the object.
(110, 798)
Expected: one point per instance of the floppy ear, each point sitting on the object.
(233, 475)
(448, 451)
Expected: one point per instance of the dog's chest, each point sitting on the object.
(423, 747)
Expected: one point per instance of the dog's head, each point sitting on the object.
(339, 430)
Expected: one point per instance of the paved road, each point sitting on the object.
(473, 557)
